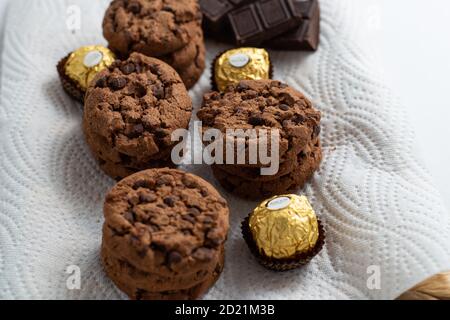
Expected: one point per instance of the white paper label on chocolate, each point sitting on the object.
(239, 60)
(279, 203)
(93, 58)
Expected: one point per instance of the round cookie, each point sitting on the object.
(191, 293)
(192, 73)
(254, 174)
(263, 189)
(186, 56)
(125, 166)
(118, 172)
(151, 27)
(130, 112)
(263, 104)
(165, 222)
(126, 272)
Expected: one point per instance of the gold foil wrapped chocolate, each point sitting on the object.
(239, 64)
(284, 226)
(83, 64)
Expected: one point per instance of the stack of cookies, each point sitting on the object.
(167, 29)
(164, 234)
(131, 110)
(269, 105)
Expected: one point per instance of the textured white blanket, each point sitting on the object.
(380, 210)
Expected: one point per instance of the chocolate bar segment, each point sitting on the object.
(246, 25)
(263, 20)
(215, 10)
(307, 8)
(215, 14)
(306, 36)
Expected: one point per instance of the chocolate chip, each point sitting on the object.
(134, 7)
(189, 218)
(256, 120)
(141, 184)
(140, 91)
(187, 232)
(213, 242)
(283, 85)
(158, 91)
(102, 82)
(242, 86)
(128, 68)
(298, 119)
(169, 201)
(117, 83)
(204, 193)
(284, 107)
(138, 129)
(208, 220)
(164, 125)
(303, 155)
(174, 257)
(193, 211)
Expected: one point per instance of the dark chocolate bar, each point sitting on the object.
(263, 20)
(306, 35)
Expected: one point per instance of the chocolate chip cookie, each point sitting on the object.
(131, 110)
(307, 164)
(193, 72)
(185, 56)
(124, 271)
(127, 279)
(286, 167)
(151, 27)
(164, 233)
(263, 104)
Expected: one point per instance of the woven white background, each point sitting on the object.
(375, 198)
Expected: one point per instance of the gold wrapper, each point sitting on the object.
(83, 64)
(284, 226)
(241, 64)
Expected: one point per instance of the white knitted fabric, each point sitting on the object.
(375, 199)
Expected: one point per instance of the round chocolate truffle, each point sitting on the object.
(284, 232)
(79, 67)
